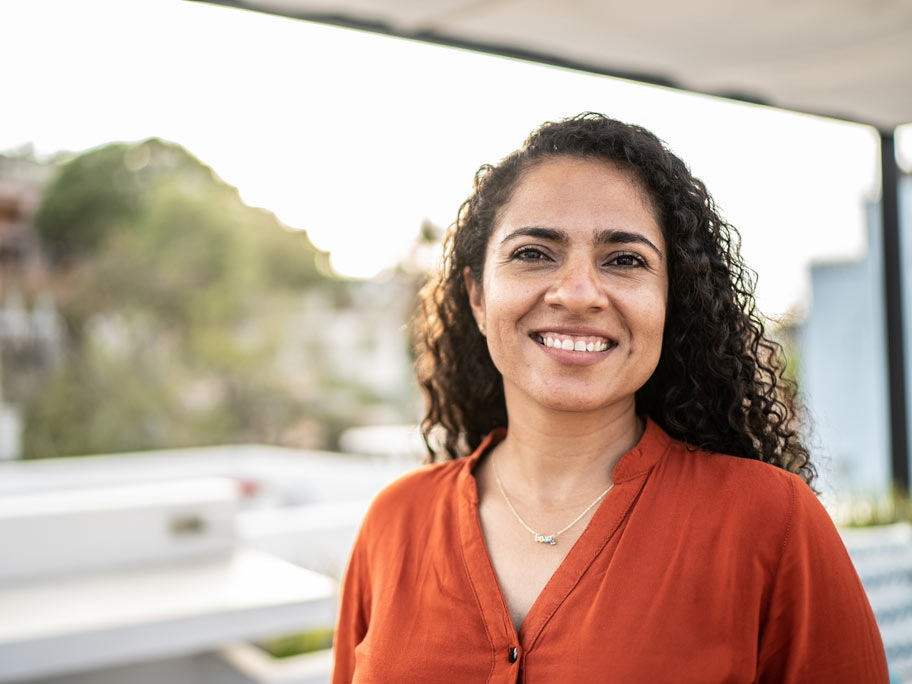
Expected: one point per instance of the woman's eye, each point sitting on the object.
(529, 254)
(627, 260)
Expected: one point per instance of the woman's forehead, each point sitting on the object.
(579, 197)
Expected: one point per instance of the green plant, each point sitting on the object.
(871, 511)
(298, 643)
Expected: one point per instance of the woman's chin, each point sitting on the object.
(574, 403)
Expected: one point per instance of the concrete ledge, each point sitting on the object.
(101, 620)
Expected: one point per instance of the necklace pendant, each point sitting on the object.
(545, 539)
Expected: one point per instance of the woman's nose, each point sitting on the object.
(578, 288)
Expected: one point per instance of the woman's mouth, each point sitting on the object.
(579, 343)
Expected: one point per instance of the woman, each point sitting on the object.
(635, 503)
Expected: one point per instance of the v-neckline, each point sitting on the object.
(629, 476)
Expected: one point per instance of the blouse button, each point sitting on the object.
(514, 654)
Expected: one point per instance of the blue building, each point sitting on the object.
(843, 367)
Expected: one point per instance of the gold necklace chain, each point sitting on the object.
(544, 538)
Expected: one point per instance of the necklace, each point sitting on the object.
(544, 538)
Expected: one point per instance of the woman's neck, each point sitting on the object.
(555, 456)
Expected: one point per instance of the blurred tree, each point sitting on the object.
(149, 225)
(88, 196)
(167, 283)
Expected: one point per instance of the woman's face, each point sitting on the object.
(574, 290)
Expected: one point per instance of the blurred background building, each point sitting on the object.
(843, 368)
(30, 333)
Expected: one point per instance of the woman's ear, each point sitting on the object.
(476, 298)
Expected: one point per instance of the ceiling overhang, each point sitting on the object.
(848, 59)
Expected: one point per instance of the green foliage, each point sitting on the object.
(174, 294)
(298, 644)
(96, 404)
(878, 511)
(162, 232)
(90, 195)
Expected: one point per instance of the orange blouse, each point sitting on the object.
(696, 567)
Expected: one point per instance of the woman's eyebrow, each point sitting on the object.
(610, 237)
(550, 234)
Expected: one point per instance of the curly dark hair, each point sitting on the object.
(719, 383)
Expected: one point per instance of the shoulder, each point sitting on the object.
(415, 497)
(761, 518)
(724, 474)
(419, 485)
(754, 492)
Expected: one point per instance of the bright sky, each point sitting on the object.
(357, 137)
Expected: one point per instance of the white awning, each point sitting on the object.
(849, 59)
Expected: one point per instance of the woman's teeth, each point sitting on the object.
(572, 343)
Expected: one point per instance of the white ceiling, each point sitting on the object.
(846, 58)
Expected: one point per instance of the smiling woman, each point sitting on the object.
(628, 498)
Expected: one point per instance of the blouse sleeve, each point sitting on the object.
(354, 613)
(819, 626)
